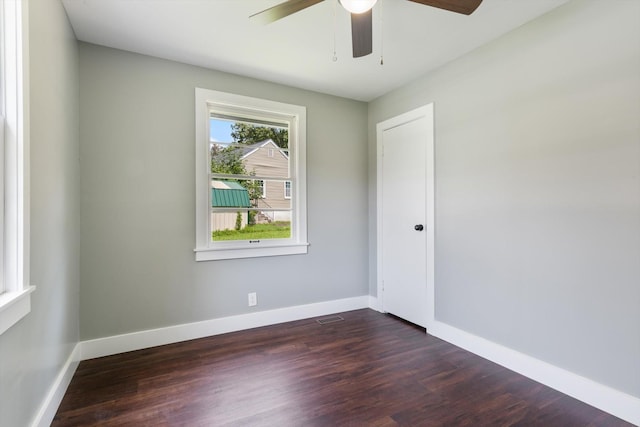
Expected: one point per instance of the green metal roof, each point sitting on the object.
(235, 197)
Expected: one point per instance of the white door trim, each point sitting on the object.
(421, 112)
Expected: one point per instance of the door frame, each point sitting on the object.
(425, 111)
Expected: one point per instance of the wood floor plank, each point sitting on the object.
(369, 370)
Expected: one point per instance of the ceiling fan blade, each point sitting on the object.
(281, 10)
(466, 7)
(362, 33)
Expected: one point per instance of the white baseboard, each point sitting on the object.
(50, 405)
(373, 304)
(172, 334)
(615, 402)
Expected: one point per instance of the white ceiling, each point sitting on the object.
(298, 50)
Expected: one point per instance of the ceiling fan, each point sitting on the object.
(361, 16)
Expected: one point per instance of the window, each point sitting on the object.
(15, 300)
(287, 189)
(247, 149)
(262, 188)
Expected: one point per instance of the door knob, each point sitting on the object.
(418, 227)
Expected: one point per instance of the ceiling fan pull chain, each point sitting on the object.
(381, 34)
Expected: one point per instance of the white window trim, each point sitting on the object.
(15, 295)
(263, 188)
(230, 103)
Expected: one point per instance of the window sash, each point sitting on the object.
(249, 177)
(243, 117)
(3, 285)
(243, 209)
(15, 300)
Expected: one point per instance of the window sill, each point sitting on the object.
(209, 254)
(14, 306)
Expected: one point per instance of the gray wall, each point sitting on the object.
(35, 349)
(138, 200)
(537, 206)
(538, 189)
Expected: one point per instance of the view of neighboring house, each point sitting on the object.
(265, 160)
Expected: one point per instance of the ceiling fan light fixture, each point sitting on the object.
(358, 6)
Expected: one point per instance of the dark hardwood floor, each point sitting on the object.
(369, 370)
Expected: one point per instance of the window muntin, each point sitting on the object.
(246, 210)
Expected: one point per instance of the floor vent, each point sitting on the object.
(331, 319)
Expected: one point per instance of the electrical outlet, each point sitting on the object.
(253, 299)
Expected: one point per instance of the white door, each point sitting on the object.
(405, 208)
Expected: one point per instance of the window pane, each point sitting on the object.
(248, 148)
(249, 209)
